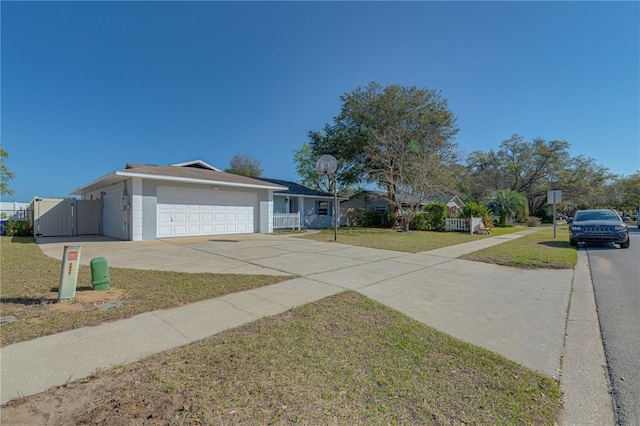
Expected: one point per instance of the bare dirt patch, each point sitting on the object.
(88, 300)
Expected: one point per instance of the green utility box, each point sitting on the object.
(100, 274)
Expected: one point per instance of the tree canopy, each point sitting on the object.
(245, 165)
(533, 168)
(398, 137)
(623, 193)
(5, 174)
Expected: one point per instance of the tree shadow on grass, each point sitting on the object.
(556, 244)
(27, 301)
(40, 300)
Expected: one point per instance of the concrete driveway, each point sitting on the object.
(235, 254)
(518, 313)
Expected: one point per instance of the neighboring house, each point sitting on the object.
(145, 202)
(452, 201)
(378, 201)
(315, 208)
(371, 200)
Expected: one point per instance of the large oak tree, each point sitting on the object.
(398, 137)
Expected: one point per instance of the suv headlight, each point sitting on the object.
(576, 228)
(620, 227)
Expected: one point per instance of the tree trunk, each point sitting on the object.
(405, 224)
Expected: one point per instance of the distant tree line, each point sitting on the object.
(402, 140)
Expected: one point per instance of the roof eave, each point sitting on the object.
(201, 181)
(79, 190)
(328, 197)
(127, 174)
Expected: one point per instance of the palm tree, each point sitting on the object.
(507, 203)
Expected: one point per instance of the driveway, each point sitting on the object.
(518, 313)
(235, 254)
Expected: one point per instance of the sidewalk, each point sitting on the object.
(543, 319)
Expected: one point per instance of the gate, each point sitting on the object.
(86, 217)
(65, 217)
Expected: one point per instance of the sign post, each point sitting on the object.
(554, 197)
(69, 273)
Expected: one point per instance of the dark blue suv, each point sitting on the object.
(598, 226)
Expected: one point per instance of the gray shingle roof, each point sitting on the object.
(296, 189)
(192, 173)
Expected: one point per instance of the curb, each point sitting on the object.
(584, 380)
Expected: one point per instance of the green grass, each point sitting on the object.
(537, 250)
(409, 242)
(342, 360)
(30, 280)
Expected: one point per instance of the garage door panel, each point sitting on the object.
(193, 212)
(179, 217)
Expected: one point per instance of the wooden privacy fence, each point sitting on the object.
(286, 220)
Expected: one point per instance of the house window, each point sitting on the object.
(323, 208)
(379, 209)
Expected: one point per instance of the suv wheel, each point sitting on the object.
(625, 244)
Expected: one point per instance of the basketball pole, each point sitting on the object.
(335, 207)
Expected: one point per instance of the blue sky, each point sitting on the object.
(89, 86)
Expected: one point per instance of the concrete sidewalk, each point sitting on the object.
(521, 314)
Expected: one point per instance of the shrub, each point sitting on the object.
(544, 213)
(476, 210)
(367, 218)
(533, 221)
(20, 228)
(437, 214)
(432, 218)
(419, 223)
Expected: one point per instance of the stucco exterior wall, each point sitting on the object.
(134, 216)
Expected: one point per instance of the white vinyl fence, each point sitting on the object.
(456, 224)
(286, 220)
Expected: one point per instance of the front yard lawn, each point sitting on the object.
(409, 242)
(30, 282)
(342, 360)
(537, 250)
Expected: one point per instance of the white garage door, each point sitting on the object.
(188, 212)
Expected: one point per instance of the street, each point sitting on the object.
(615, 274)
